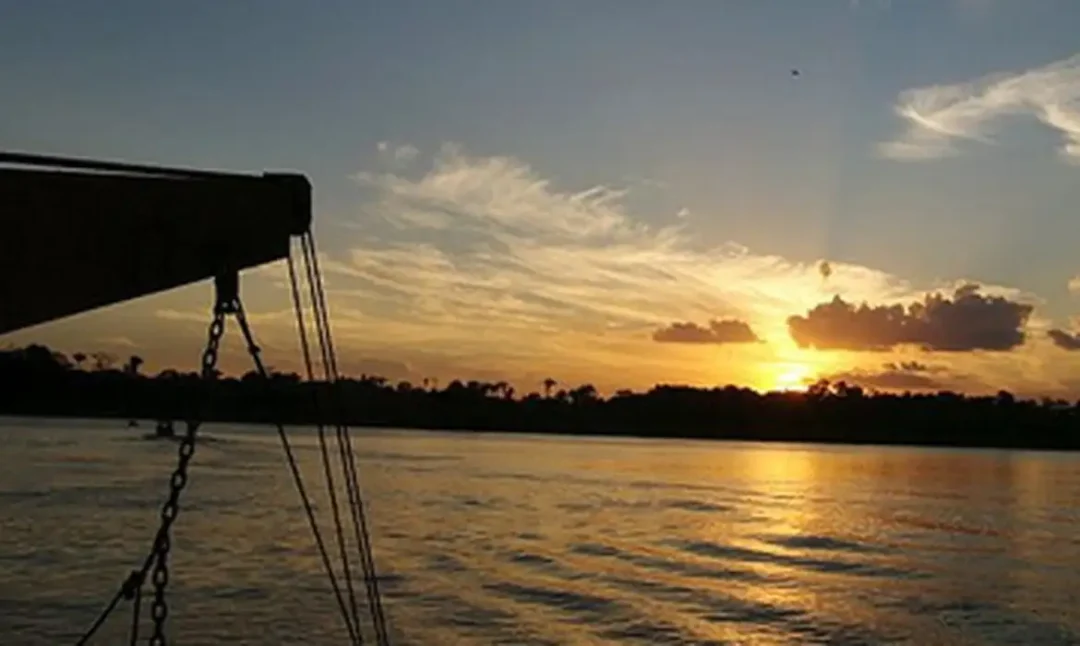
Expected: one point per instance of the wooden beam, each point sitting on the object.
(77, 240)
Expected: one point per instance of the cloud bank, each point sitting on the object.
(717, 332)
(896, 376)
(486, 242)
(1065, 340)
(967, 321)
(940, 116)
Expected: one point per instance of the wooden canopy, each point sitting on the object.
(76, 235)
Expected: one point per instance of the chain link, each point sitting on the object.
(159, 609)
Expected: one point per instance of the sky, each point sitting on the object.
(615, 192)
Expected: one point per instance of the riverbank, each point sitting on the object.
(41, 383)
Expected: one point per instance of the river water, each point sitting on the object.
(503, 539)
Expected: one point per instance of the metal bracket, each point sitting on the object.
(227, 288)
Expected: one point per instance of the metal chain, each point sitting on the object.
(159, 609)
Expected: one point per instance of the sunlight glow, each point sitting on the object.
(793, 377)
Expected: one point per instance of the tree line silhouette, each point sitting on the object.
(40, 382)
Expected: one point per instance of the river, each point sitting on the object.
(507, 539)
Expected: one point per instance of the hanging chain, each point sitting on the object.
(159, 609)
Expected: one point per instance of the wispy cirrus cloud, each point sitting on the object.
(485, 257)
(940, 116)
(484, 228)
(402, 154)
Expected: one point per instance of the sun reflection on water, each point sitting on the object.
(483, 539)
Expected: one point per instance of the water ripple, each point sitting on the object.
(809, 542)
(729, 552)
(484, 540)
(578, 603)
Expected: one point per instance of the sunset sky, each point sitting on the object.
(616, 192)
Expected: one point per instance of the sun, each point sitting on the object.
(792, 377)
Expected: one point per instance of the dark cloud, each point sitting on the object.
(825, 269)
(966, 321)
(1064, 340)
(906, 375)
(718, 331)
(913, 366)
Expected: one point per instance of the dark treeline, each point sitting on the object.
(39, 382)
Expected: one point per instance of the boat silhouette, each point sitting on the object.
(162, 431)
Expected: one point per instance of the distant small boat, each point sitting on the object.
(164, 428)
(163, 431)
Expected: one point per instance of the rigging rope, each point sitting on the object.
(298, 480)
(134, 590)
(321, 431)
(109, 607)
(363, 537)
(342, 445)
(228, 302)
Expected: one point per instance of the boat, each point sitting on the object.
(164, 429)
(132, 230)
